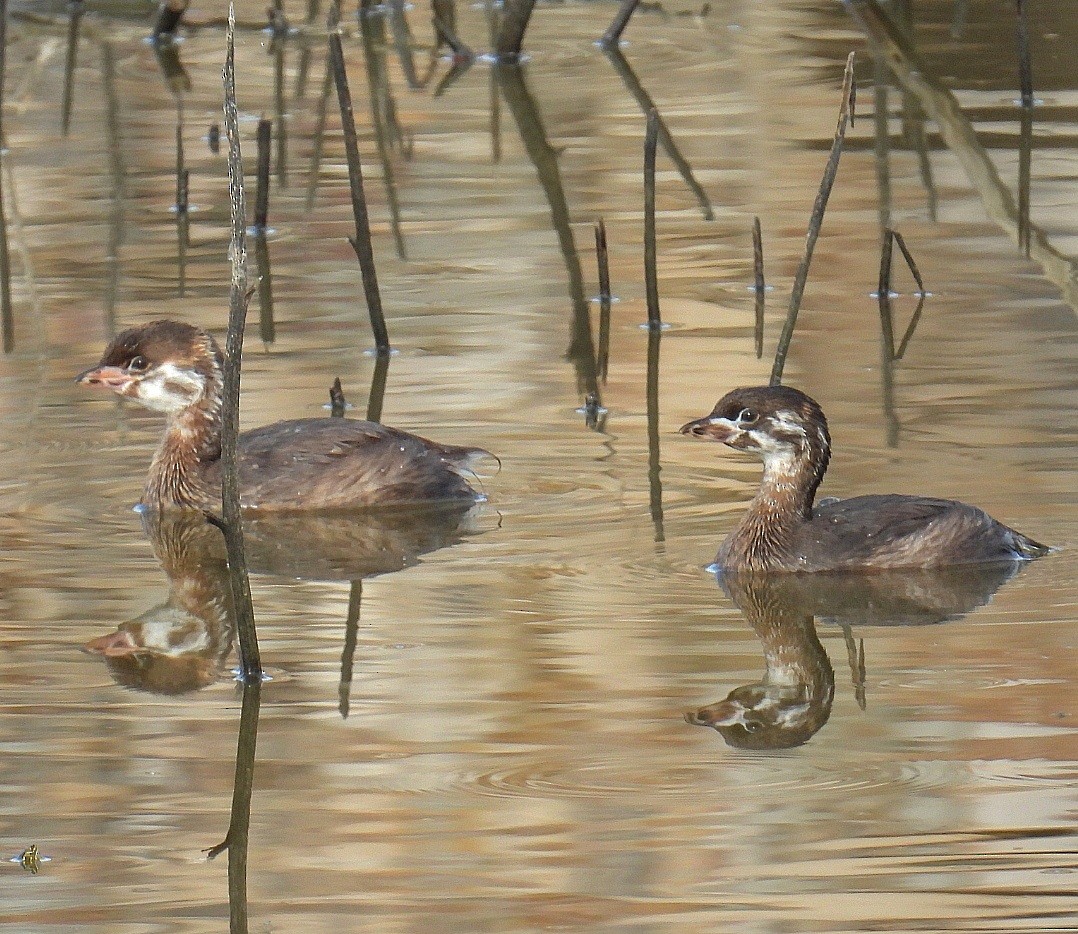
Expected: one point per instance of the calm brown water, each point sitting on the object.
(514, 756)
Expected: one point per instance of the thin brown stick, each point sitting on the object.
(265, 128)
(602, 259)
(651, 275)
(602, 357)
(759, 286)
(883, 287)
(910, 262)
(815, 223)
(337, 403)
(612, 36)
(1025, 67)
(361, 242)
(239, 296)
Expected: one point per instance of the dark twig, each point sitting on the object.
(239, 296)
(337, 403)
(1025, 66)
(884, 284)
(602, 259)
(887, 338)
(815, 223)
(510, 38)
(612, 36)
(910, 262)
(361, 242)
(651, 275)
(602, 359)
(759, 287)
(265, 128)
(378, 388)
(655, 486)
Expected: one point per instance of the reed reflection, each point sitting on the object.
(184, 643)
(793, 699)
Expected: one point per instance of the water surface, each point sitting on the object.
(510, 752)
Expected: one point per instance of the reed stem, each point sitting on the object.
(815, 223)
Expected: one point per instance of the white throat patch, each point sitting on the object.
(171, 389)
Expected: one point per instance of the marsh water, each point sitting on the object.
(478, 723)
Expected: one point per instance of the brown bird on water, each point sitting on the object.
(301, 464)
(782, 529)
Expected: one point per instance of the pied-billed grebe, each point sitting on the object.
(303, 464)
(783, 532)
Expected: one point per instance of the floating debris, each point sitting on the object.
(30, 859)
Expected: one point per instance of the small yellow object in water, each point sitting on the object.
(30, 859)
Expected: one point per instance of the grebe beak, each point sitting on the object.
(724, 713)
(111, 377)
(112, 645)
(712, 428)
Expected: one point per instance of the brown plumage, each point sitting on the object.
(783, 531)
(303, 464)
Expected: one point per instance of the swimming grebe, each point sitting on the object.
(303, 464)
(783, 532)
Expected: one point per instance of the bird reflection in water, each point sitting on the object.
(792, 701)
(184, 644)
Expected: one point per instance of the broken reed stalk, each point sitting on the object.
(655, 485)
(169, 14)
(759, 286)
(602, 356)
(265, 128)
(883, 287)
(510, 38)
(361, 242)
(378, 388)
(651, 276)
(910, 262)
(239, 296)
(603, 260)
(815, 223)
(1025, 67)
(337, 403)
(612, 36)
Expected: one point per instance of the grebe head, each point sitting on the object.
(781, 425)
(167, 366)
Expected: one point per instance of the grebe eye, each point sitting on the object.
(138, 364)
(747, 416)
